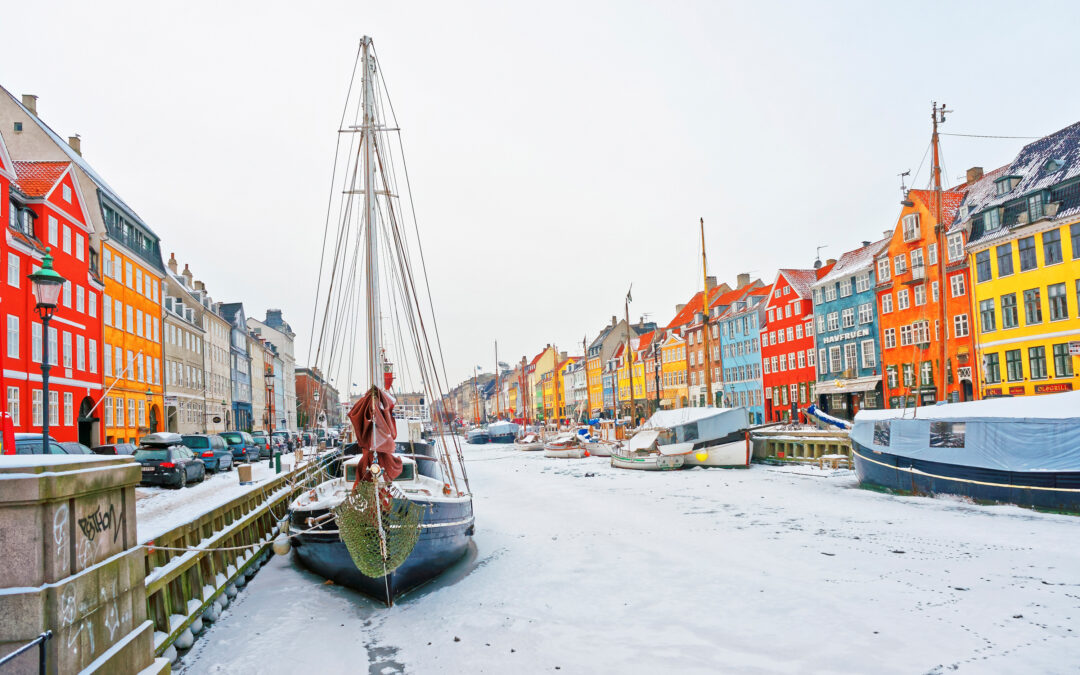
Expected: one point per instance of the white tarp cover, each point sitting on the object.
(1036, 433)
(642, 439)
(692, 425)
(502, 427)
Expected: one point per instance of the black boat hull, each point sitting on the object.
(444, 539)
(1051, 490)
(501, 438)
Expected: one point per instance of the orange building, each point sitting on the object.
(910, 310)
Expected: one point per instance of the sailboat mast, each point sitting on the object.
(705, 319)
(939, 232)
(497, 402)
(371, 251)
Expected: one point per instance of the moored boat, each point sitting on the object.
(502, 432)
(1023, 451)
(529, 442)
(709, 437)
(477, 436)
(565, 446)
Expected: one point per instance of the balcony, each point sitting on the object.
(918, 276)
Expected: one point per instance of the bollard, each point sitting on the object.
(277, 462)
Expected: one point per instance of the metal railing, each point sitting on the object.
(40, 641)
(217, 547)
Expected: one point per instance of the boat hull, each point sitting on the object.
(444, 539)
(573, 452)
(725, 455)
(599, 449)
(1050, 490)
(501, 438)
(529, 447)
(654, 462)
(477, 439)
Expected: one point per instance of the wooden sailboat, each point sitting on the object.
(392, 520)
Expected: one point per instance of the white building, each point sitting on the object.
(277, 332)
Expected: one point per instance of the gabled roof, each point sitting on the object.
(231, 311)
(802, 280)
(37, 179)
(644, 339)
(536, 359)
(950, 204)
(686, 314)
(853, 262)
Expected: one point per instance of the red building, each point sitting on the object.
(45, 212)
(787, 343)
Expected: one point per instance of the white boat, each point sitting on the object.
(712, 437)
(642, 453)
(529, 442)
(565, 446)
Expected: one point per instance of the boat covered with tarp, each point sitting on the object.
(502, 432)
(1023, 451)
(713, 437)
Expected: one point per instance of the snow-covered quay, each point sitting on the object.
(581, 568)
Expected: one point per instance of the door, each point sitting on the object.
(88, 424)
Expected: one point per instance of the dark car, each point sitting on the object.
(74, 448)
(211, 450)
(262, 441)
(166, 460)
(287, 437)
(115, 449)
(242, 445)
(30, 444)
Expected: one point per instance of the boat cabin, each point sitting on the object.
(408, 470)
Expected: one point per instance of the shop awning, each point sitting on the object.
(852, 386)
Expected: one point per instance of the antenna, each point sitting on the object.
(903, 186)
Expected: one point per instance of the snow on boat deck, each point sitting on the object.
(703, 570)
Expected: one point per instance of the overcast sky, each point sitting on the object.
(558, 151)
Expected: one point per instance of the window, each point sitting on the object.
(1059, 304)
(129, 323)
(1014, 367)
(107, 407)
(909, 375)
(890, 338)
(1035, 207)
(933, 291)
(129, 273)
(13, 404)
(54, 358)
(902, 299)
(900, 264)
(1075, 235)
(891, 377)
(106, 311)
(955, 244)
(1026, 247)
(67, 240)
(80, 246)
(851, 356)
(956, 281)
(69, 409)
(992, 368)
(80, 352)
(845, 288)
(802, 359)
(833, 319)
(866, 312)
(93, 355)
(822, 359)
(931, 253)
(36, 408)
(67, 349)
(139, 322)
(67, 193)
(947, 434)
(1037, 362)
(917, 259)
(1062, 361)
(91, 304)
(67, 294)
(920, 295)
(13, 270)
(960, 325)
(821, 323)
(54, 230)
(80, 299)
(830, 293)
(886, 303)
(905, 336)
(982, 267)
(1052, 247)
(783, 362)
(131, 411)
(986, 316)
(862, 283)
(1005, 260)
(991, 220)
(911, 227)
(35, 342)
(847, 317)
(883, 270)
(798, 333)
(869, 356)
(13, 336)
(1032, 306)
(54, 408)
(836, 364)
(1008, 311)
(926, 373)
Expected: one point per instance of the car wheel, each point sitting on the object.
(183, 478)
(230, 466)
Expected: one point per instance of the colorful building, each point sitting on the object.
(910, 308)
(47, 215)
(695, 344)
(848, 351)
(740, 352)
(788, 373)
(1024, 250)
(674, 391)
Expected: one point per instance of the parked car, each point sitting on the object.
(74, 448)
(279, 444)
(30, 444)
(211, 449)
(166, 460)
(115, 449)
(242, 445)
(262, 440)
(288, 437)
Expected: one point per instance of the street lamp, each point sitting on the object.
(47, 286)
(149, 402)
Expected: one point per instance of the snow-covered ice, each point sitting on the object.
(587, 569)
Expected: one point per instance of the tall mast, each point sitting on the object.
(939, 232)
(371, 251)
(496, 378)
(629, 361)
(705, 319)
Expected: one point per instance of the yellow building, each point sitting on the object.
(131, 314)
(540, 369)
(673, 387)
(1025, 262)
(560, 386)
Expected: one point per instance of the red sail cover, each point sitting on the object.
(376, 429)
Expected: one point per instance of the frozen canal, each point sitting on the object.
(581, 568)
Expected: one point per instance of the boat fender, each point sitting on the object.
(446, 489)
(587, 454)
(701, 455)
(282, 545)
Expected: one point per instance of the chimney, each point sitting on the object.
(742, 280)
(187, 276)
(76, 144)
(830, 261)
(172, 263)
(29, 102)
(679, 307)
(200, 286)
(865, 243)
(710, 283)
(888, 234)
(613, 321)
(974, 174)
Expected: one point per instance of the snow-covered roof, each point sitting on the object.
(853, 262)
(1048, 406)
(665, 419)
(802, 280)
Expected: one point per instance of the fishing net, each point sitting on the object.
(378, 552)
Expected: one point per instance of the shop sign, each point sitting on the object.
(1053, 388)
(1016, 391)
(850, 335)
(992, 391)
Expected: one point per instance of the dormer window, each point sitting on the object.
(1035, 207)
(911, 227)
(992, 220)
(1006, 184)
(1053, 165)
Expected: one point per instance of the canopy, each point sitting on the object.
(1036, 433)
(502, 427)
(643, 439)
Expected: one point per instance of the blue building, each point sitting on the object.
(240, 365)
(740, 352)
(609, 380)
(848, 348)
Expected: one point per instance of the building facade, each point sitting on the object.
(275, 330)
(184, 354)
(239, 365)
(848, 351)
(740, 352)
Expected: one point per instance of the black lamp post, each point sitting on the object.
(149, 404)
(47, 286)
